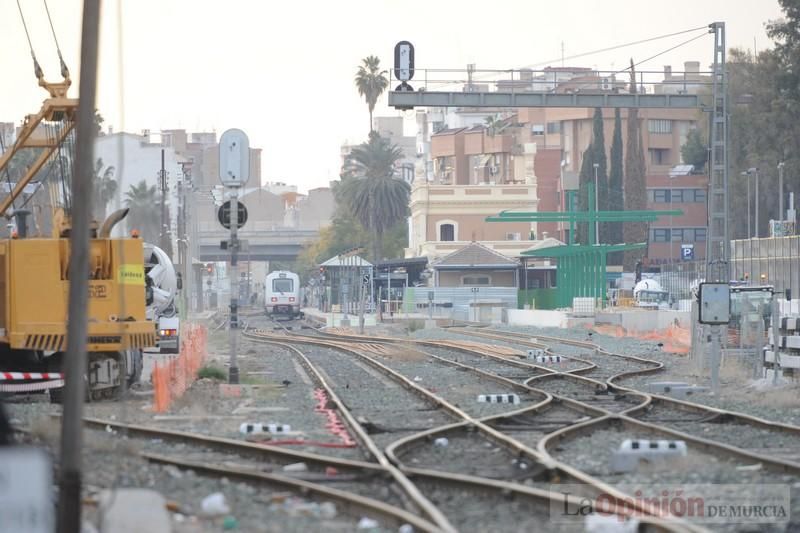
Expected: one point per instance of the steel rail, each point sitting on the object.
(428, 509)
(511, 443)
(357, 504)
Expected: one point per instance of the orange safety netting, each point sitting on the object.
(172, 378)
(675, 339)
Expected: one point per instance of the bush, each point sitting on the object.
(212, 372)
(414, 325)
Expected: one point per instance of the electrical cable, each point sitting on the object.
(64, 69)
(36, 68)
(601, 50)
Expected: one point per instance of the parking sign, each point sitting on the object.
(687, 252)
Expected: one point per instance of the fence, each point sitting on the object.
(772, 261)
(459, 303)
(171, 379)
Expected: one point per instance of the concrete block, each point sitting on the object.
(257, 427)
(533, 353)
(675, 389)
(548, 359)
(133, 511)
(664, 387)
(498, 398)
(632, 451)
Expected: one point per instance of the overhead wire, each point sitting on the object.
(36, 67)
(589, 53)
(64, 69)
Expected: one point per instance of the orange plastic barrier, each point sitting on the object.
(171, 379)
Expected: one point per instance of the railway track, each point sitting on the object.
(363, 488)
(525, 462)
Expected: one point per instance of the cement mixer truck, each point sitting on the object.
(162, 286)
(648, 294)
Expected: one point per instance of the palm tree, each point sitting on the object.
(371, 81)
(370, 189)
(104, 189)
(145, 214)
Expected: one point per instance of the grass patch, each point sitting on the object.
(212, 372)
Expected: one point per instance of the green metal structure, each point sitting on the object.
(581, 268)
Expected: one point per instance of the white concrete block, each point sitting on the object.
(631, 451)
(133, 511)
(498, 398)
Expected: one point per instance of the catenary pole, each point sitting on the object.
(69, 498)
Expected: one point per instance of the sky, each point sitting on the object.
(283, 71)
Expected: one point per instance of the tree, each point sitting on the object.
(372, 193)
(616, 201)
(104, 188)
(635, 183)
(145, 214)
(585, 177)
(371, 81)
(98, 123)
(694, 151)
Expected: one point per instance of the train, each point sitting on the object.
(282, 294)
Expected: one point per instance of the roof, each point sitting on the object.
(351, 261)
(475, 255)
(403, 262)
(549, 242)
(448, 131)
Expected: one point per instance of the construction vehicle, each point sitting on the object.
(648, 294)
(162, 286)
(34, 263)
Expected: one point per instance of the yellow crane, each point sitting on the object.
(34, 273)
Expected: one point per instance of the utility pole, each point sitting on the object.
(596, 205)
(69, 495)
(164, 237)
(780, 192)
(757, 200)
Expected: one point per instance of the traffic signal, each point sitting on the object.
(210, 268)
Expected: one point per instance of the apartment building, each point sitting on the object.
(529, 158)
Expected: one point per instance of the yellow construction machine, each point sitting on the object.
(34, 263)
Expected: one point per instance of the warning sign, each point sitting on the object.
(131, 274)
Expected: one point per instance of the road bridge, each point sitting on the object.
(281, 244)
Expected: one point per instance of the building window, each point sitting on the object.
(661, 196)
(537, 129)
(699, 234)
(678, 234)
(700, 196)
(659, 156)
(677, 196)
(661, 235)
(554, 127)
(447, 232)
(471, 281)
(513, 236)
(659, 126)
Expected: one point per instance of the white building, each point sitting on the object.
(136, 159)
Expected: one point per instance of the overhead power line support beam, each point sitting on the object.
(407, 100)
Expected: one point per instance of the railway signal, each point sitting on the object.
(234, 172)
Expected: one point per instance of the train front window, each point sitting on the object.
(282, 285)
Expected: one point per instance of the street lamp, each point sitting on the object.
(750, 172)
(596, 206)
(780, 191)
